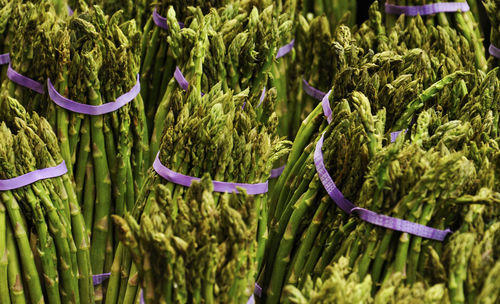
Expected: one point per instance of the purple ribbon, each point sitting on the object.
(428, 9)
(367, 215)
(394, 135)
(186, 181)
(311, 91)
(181, 80)
(494, 51)
(99, 278)
(109, 107)
(31, 177)
(162, 21)
(325, 103)
(24, 81)
(275, 173)
(287, 48)
(4, 58)
(70, 11)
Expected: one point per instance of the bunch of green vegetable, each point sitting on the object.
(96, 61)
(307, 232)
(44, 244)
(92, 59)
(195, 249)
(234, 46)
(221, 134)
(158, 60)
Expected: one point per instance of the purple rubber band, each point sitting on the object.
(186, 181)
(70, 11)
(109, 107)
(325, 103)
(31, 177)
(162, 21)
(428, 9)
(494, 51)
(311, 91)
(287, 48)
(394, 135)
(181, 80)
(97, 279)
(4, 59)
(24, 81)
(367, 215)
(275, 173)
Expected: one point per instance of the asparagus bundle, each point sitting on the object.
(464, 22)
(194, 249)
(492, 9)
(306, 233)
(44, 243)
(235, 46)
(158, 60)
(91, 59)
(212, 134)
(96, 63)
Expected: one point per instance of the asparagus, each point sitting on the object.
(48, 208)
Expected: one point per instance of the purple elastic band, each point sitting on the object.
(287, 48)
(275, 173)
(325, 103)
(99, 278)
(428, 9)
(181, 80)
(4, 59)
(31, 177)
(394, 135)
(367, 215)
(109, 107)
(494, 51)
(70, 11)
(162, 21)
(24, 81)
(186, 181)
(311, 91)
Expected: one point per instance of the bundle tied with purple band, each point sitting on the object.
(367, 215)
(427, 9)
